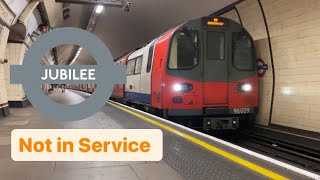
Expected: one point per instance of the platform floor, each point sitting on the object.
(183, 159)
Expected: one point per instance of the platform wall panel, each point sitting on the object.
(15, 53)
(294, 28)
(4, 33)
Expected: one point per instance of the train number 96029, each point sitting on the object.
(241, 110)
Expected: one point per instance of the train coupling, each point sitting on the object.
(220, 123)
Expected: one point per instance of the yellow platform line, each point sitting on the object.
(210, 147)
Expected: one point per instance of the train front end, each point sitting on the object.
(211, 74)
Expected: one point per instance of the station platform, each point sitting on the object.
(188, 154)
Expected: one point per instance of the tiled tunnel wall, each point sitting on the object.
(295, 36)
(294, 28)
(4, 33)
(15, 53)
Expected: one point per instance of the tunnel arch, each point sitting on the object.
(18, 32)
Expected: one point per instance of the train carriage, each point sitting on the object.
(204, 69)
(118, 90)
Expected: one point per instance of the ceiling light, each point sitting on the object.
(99, 9)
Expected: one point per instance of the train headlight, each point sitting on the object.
(177, 87)
(182, 87)
(245, 87)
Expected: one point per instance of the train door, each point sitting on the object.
(133, 79)
(145, 82)
(137, 81)
(215, 68)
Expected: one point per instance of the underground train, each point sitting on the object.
(89, 88)
(202, 74)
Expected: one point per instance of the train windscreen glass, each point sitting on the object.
(184, 50)
(243, 55)
(215, 45)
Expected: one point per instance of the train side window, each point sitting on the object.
(138, 65)
(184, 50)
(150, 58)
(215, 45)
(131, 66)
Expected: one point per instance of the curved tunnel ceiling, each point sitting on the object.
(124, 31)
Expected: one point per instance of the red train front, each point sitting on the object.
(202, 71)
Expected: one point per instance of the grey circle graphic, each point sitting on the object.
(106, 73)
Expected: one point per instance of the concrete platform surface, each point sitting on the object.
(29, 118)
(183, 159)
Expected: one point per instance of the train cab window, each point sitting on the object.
(215, 45)
(150, 57)
(243, 54)
(138, 65)
(131, 66)
(184, 50)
